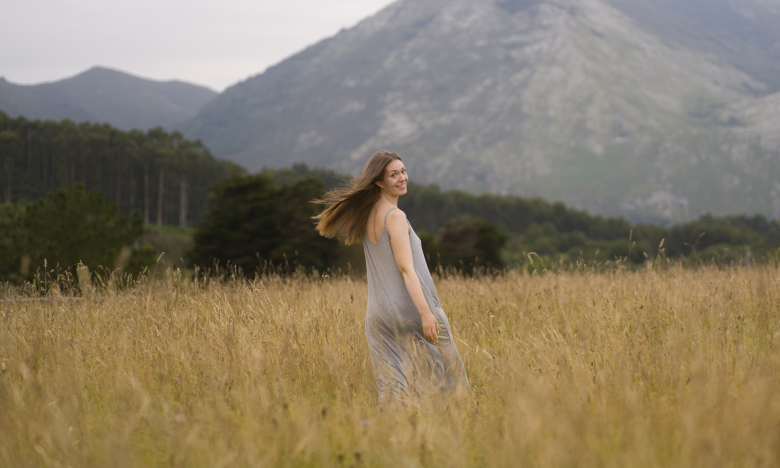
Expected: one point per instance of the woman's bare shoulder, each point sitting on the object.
(396, 216)
(396, 222)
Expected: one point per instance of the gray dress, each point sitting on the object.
(405, 363)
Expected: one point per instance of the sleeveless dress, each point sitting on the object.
(406, 364)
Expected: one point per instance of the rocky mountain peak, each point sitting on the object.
(569, 100)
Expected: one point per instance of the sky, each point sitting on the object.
(205, 42)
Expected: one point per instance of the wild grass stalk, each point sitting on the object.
(659, 367)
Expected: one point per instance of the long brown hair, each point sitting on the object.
(350, 206)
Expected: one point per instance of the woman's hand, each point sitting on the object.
(430, 327)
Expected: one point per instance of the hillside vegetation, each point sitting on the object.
(66, 231)
(672, 367)
(265, 220)
(102, 95)
(559, 234)
(161, 174)
(592, 103)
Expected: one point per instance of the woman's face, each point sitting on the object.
(394, 181)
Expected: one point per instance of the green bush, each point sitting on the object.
(67, 228)
(467, 243)
(253, 221)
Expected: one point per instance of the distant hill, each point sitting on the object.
(648, 109)
(104, 95)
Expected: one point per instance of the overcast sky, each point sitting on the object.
(212, 43)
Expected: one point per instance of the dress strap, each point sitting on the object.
(388, 212)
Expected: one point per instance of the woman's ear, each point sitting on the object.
(378, 184)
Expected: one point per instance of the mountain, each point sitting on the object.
(742, 33)
(585, 101)
(104, 95)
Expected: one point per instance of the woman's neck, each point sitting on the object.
(393, 200)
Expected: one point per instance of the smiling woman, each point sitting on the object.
(412, 348)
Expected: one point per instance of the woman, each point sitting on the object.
(409, 338)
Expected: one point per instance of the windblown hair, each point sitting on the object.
(349, 207)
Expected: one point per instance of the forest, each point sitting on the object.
(160, 178)
(555, 232)
(162, 175)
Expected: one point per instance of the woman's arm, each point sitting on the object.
(398, 229)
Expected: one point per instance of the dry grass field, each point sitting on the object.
(672, 368)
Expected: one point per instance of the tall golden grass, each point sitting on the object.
(673, 367)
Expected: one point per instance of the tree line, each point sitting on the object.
(162, 175)
(520, 226)
(266, 220)
(554, 230)
(104, 184)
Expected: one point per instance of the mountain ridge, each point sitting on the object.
(106, 95)
(742, 33)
